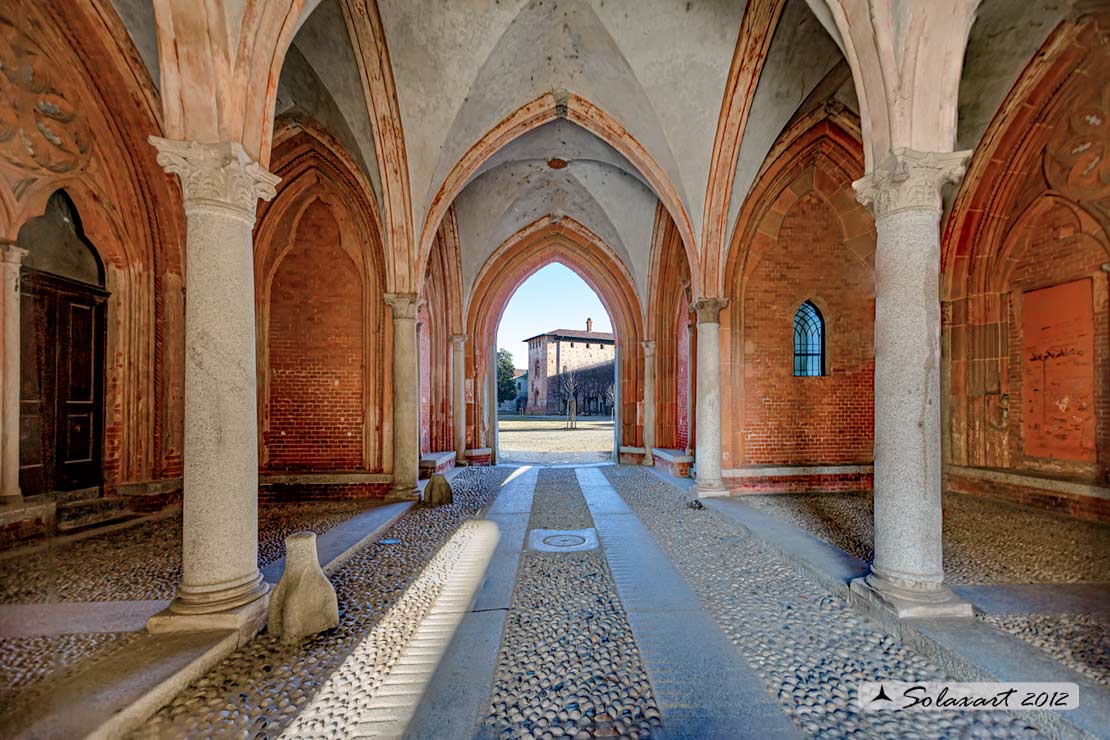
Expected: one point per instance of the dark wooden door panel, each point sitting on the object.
(63, 379)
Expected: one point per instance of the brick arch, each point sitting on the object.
(323, 219)
(130, 211)
(439, 316)
(537, 245)
(801, 235)
(668, 315)
(1032, 214)
(534, 114)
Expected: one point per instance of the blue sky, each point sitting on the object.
(553, 298)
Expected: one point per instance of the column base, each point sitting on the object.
(889, 601)
(649, 460)
(247, 619)
(710, 489)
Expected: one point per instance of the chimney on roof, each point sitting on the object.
(589, 324)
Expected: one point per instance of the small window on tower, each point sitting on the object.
(809, 341)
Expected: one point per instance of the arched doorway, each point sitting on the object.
(62, 334)
(556, 382)
(546, 241)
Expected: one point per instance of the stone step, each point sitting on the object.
(64, 497)
(75, 515)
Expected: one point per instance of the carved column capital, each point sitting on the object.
(403, 304)
(649, 348)
(11, 252)
(909, 180)
(217, 176)
(458, 341)
(709, 309)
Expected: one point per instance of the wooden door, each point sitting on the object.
(62, 384)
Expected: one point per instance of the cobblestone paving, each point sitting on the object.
(144, 562)
(32, 665)
(548, 441)
(984, 541)
(257, 691)
(1079, 641)
(807, 645)
(568, 665)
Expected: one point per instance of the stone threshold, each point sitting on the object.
(763, 471)
(967, 649)
(62, 540)
(76, 617)
(1028, 480)
(332, 478)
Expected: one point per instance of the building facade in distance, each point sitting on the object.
(570, 362)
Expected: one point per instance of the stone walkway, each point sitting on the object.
(139, 563)
(262, 688)
(608, 608)
(144, 562)
(985, 541)
(568, 661)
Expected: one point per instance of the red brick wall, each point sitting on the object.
(315, 352)
(425, 344)
(810, 420)
(682, 379)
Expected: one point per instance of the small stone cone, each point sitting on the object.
(304, 602)
(438, 491)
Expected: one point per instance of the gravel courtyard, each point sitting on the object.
(545, 439)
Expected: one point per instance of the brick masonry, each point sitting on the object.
(315, 353)
(792, 420)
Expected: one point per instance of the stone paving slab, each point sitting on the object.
(122, 689)
(334, 546)
(75, 617)
(458, 692)
(1038, 598)
(974, 651)
(703, 686)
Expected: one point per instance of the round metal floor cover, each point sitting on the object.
(562, 540)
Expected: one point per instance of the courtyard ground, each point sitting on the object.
(546, 440)
(605, 607)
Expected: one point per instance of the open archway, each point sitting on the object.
(546, 241)
(555, 372)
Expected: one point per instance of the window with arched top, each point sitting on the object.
(809, 341)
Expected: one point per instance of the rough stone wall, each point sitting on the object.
(315, 352)
(809, 420)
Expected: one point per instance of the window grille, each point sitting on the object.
(809, 341)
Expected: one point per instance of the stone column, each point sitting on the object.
(220, 584)
(458, 395)
(907, 575)
(708, 440)
(9, 397)
(649, 402)
(406, 397)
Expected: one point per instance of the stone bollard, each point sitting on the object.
(304, 601)
(438, 491)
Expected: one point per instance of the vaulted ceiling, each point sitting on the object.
(656, 69)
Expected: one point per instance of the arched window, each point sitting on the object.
(809, 341)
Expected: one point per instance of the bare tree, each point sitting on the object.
(569, 388)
